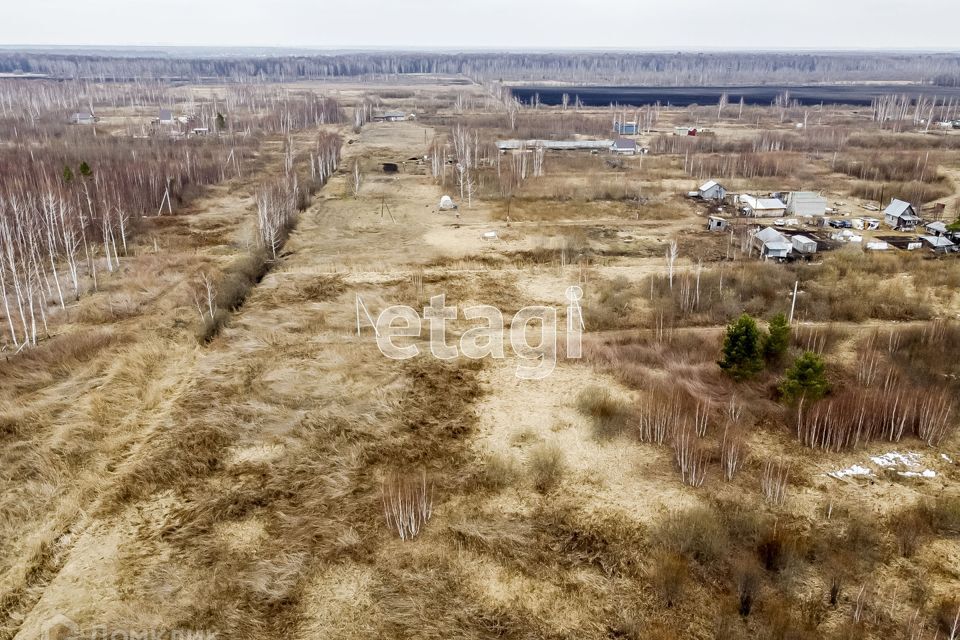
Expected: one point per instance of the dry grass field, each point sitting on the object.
(159, 475)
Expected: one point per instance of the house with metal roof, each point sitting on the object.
(711, 190)
(806, 203)
(166, 116)
(762, 207)
(938, 228)
(901, 216)
(624, 146)
(772, 243)
(625, 128)
(939, 244)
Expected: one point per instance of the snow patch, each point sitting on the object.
(855, 470)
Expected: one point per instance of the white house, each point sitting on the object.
(711, 190)
(806, 203)
(901, 216)
(762, 207)
(772, 244)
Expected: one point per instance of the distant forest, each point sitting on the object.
(663, 69)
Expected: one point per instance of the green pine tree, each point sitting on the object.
(742, 349)
(67, 175)
(806, 379)
(85, 170)
(221, 122)
(777, 342)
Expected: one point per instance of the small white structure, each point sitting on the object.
(716, 223)
(876, 245)
(762, 207)
(806, 203)
(166, 117)
(82, 117)
(489, 235)
(901, 216)
(772, 243)
(447, 204)
(711, 190)
(804, 245)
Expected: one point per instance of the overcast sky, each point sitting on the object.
(501, 24)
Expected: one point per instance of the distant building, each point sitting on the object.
(772, 244)
(555, 145)
(82, 117)
(390, 116)
(166, 117)
(625, 128)
(716, 223)
(762, 207)
(806, 203)
(900, 216)
(624, 146)
(939, 244)
(937, 228)
(711, 190)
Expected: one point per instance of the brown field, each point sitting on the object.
(157, 473)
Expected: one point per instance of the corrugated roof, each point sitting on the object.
(769, 234)
(899, 209)
(709, 185)
(937, 241)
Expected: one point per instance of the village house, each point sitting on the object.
(806, 203)
(901, 216)
(762, 207)
(625, 128)
(772, 244)
(624, 146)
(711, 190)
(939, 244)
(938, 228)
(165, 117)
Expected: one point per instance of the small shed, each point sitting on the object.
(806, 203)
(82, 117)
(804, 245)
(939, 244)
(624, 146)
(166, 116)
(625, 128)
(900, 215)
(711, 190)
(716, 223)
